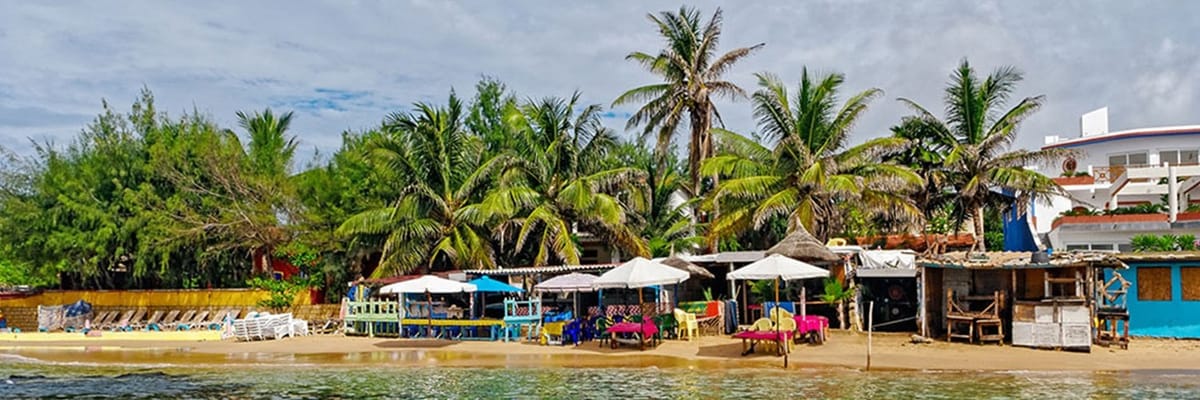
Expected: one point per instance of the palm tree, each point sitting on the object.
(979, 163)
(691, 75)
(835, 293)
(557, 185)
(437, 221)
(810, 176)
(270, 151)
(666, 222)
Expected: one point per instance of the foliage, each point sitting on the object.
(1069, 174)
(1079, 212)
(810, 175)
(977, 131)
(1152, 243)
(1143, 208)
(692, 74)
(835, 292)
(995, 240)
(282, 293)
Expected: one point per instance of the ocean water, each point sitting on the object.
(24, 377)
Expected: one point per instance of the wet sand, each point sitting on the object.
(843, 350)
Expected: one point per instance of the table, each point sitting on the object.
(779, 338)
(643, 331)
(816, 324)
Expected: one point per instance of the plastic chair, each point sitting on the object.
(686, 325)
(602, 324)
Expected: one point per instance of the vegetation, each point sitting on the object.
(1151, 243)
(143, 199)
(977, 133)
(837, 294)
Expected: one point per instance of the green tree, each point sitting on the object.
(558, 186)
(666, 222)
(810, 177)
(692, 75)
(979, 162)
(437, 221)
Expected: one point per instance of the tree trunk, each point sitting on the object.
(841, 315)
(978, 222)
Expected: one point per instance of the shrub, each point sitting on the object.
(1151, 243)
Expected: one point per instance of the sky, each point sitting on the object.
(344, 65)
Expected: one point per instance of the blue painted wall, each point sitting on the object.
(1017, 234)
(1175, 318)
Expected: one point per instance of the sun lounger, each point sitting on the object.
(170, 318)
(185, 318)
(112, 323)
(194, 322)
(218, 320)
(127, 324)
(103, 318)
(152, 320)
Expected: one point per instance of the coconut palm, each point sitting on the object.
(810, 175)
(692, 74)
(558, 185)
(437, 221)
(666, 222)
(837, 294)
(979, 163)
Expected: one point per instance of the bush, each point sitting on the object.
(282, 292)
(993, 240)
(1152, 243)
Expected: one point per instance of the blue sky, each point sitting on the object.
(344, 65)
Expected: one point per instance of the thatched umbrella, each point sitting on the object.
(801, 245)
(675, 261)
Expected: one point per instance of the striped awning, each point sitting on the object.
(550, 269)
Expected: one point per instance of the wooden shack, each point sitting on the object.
(1010, 297)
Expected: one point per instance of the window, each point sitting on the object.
(1128, 159)
(1125, 247)
(1138, 159)
(1071, 247)
(1154, 283)
(1178, 157)
(1190, 278)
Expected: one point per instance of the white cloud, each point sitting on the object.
(61, 58)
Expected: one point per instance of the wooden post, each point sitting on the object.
(870, 330)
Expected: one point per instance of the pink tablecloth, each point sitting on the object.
(647, 328)
(811, 323)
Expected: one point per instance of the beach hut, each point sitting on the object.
(428, 284)
(777, 267)
(1162, 293)
(1043, 301)
(801, 245)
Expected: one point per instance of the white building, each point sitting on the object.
(1120, 170)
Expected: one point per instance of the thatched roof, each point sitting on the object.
(802, 246)
(675, 261)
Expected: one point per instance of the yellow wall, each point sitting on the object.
(150, 298)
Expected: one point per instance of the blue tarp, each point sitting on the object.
(489, 285)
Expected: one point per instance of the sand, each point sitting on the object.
(843, 350)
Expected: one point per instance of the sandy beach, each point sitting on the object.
(844, 350)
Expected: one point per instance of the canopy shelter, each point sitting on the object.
(777, 267)
(801, 245)
(485, 284)
(428, 284)
(570, 283)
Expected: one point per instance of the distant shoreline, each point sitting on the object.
(844, 350)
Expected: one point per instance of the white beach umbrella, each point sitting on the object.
(638, 273)
(428, 284)
(574, 282)
(777, 267)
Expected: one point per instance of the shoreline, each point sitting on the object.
(844, 350)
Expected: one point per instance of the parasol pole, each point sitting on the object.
(775, 315)
(642, 305)
(429, 313)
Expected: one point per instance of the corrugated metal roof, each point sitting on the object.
(550, 269)
(1017, 260)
